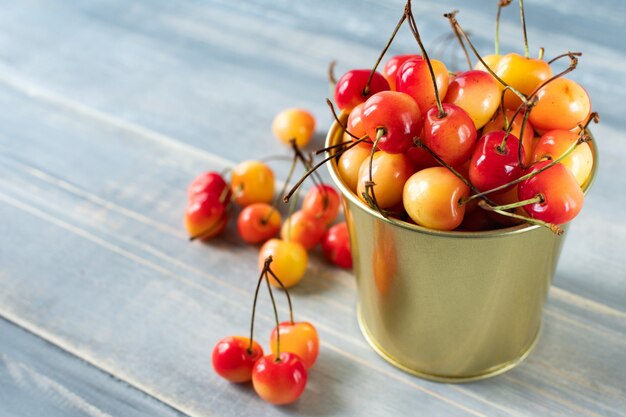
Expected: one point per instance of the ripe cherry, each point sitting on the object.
(336, 245)
(555, 142)
(390, 71)
(414, 79)
(304, 228)
(495, 161)
(252, 182)
(350, 89)
(205, 217)
(451, 137)
(322, 201)
(299, 338)
(258, 222)
(523, 74)
(298, 124)
(290, 261)
(350, 161)
(354, 124)
(561, 104)
(561, 196)
(528, 139)
(476, 92)
(389, 172)
(234, 359)
(209, 183)
(432, 198)
(397, 115)
(279, 381)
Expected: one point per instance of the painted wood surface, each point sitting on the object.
(112, 107)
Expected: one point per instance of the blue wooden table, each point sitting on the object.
(110, 108)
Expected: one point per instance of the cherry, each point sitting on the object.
(304, 228)
(298, 124)
(560, 198)
(561, 104)
(258, 222)
(279, 381)
(349, 163)
(555, 142)
(421, 158)
(209, 183)
(491, 60)
(528, 139)
(393, 119)
(299, 338)
(205, 217)
(432, 198)
(389, 172)
(233, 359)
(523, 74)
(350, 89)
(336, 245)
(354, 124)
(495, 161)
(252, 182)
(390, 70)
(476, 92)
(414, 79)
(451, 136)
(322, 201)
(290, 260)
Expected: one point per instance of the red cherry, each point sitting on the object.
(209, 183)
(258, 222)
(322, 202)
(562, 196)
(354, 124)
(350, 89)
(279, 381)
(233, 361)
(476, 92)
(413, 78)
(451, 137)
(304, 228)
(205, 216)
(299, 338)
(493, 165)
(399, 117)
(336, 246)
(391, 68)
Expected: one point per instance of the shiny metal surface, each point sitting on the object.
(448, 306)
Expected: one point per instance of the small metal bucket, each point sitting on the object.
(448, 306)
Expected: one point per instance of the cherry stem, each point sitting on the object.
(341, 145)
(266, 265)
(269, 289)
(542, 51)
(294, 159)
(316, 166)
(553, 227)
(292, 207)
(205, 232)
(501, 4)
(418, 38)
(521, 132)
(286, 292)
(536, 199)
(582, 138)
(369, 194)
(331, 73)
(451, 16)
(523, 17)
(366, 90)
(568, 54)
(573, 56)
(317, 179)
(343, 127)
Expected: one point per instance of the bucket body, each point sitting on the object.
(447, 306)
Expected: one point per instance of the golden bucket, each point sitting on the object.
(448, 306)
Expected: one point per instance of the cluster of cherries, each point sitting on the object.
(508, 136)
(279, 377)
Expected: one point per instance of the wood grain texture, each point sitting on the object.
(115, 107)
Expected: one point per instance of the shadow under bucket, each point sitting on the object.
(448, 306)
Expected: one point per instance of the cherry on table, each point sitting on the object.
(252, 182)
(298, 124)
(322, 201)
(279, 381)
(304, 228)
(299, 338)
(336, 245)
(233, 358)
(209, 183)
(205, 216)
(290, 261)
(258, 222)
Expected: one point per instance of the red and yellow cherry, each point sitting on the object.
(279, 381)
(336, 245)
(421, 158)
(233, 359)
(304, 228)
(350, 161)
(252, 182)
(561, 104)
(528, 140)
(290, 261)
(354, 124)
(205, 216)
(492, 61)
(350, 89)
(209, 183)
(562, 197)
(495, 161)
(399, 117)
(523, 74)
(322, 201)
(476, 92)
(390, 70)
(299, 338)
(432, 198)
(451, 137)
(258, 222)
(554, 143)
(298, 124)
(414, 79)
(389, 172)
